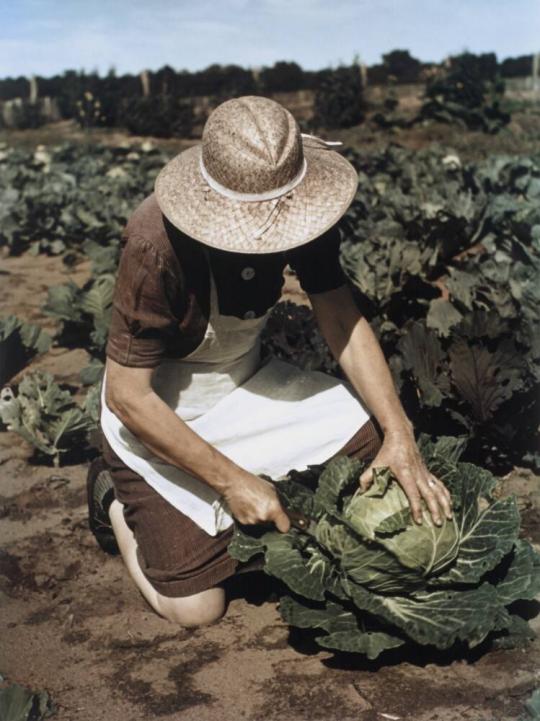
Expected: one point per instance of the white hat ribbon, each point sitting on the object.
(213, 184)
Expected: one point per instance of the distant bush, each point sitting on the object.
(162, 116)
(339, 100)
(519, 67)
(469, 93)
(11, 88)
(282, 77)
(401, 66)
(398, 66)
(90, 112)
(220, 81)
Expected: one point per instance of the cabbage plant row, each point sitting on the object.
(443, 257)
(72, 201)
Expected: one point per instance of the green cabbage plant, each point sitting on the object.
(47, 416)
(368, 578)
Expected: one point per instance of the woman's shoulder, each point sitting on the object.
(146, 234)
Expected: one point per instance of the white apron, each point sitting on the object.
(267, 419)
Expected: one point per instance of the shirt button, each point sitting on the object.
(249, 314)
(248, 273)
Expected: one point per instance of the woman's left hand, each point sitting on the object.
(400, 453)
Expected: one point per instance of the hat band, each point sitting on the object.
(252, 197)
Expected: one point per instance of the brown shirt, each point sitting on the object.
(161, 301)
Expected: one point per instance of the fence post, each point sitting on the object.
(145, 82)
(364, 74)
(536, 73)
(33, 90)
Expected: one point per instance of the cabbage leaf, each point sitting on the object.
(367, 578)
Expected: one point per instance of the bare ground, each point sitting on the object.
(73, 623)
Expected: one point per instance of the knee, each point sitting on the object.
(189, 616)
(199, 610)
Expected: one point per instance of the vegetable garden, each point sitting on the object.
(443, 255)
(444, 258)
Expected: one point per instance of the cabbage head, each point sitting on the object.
(382, 514)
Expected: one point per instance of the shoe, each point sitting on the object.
(100, 495)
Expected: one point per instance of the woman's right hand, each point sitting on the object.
(253, 500)
(130, 396)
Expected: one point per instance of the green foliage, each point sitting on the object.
(162, 116)
(468, 93)
(532, 707)
(520, 67)
(390, 116)
(57, 199)
(85, 312)
(218, 81)
(401, 66)
(91, 404)
(398, 66)
(45, 415)
(339, 100)
(92, 374)
(413, 211)
(90, 111)
(468, 361)
(282, 77)
(73, 201)
(371, 579)
(20, 704)
(292, 334)
(19, 343)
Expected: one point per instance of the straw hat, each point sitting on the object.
(255, 184)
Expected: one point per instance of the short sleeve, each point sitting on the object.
(143, 319)
(317, 265)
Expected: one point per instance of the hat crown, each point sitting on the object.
(252, 145)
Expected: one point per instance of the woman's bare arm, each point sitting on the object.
(356, 348)
(129, 395)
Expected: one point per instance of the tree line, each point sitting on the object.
(229, 80)
(162, 103)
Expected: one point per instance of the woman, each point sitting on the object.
(189, 417)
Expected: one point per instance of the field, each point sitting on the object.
(72, 621)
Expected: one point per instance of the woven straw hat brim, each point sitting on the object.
(316, 204)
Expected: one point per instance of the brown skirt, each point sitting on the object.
(177, 557)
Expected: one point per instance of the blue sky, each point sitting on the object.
(49, 36)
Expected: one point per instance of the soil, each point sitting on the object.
(73, 623)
